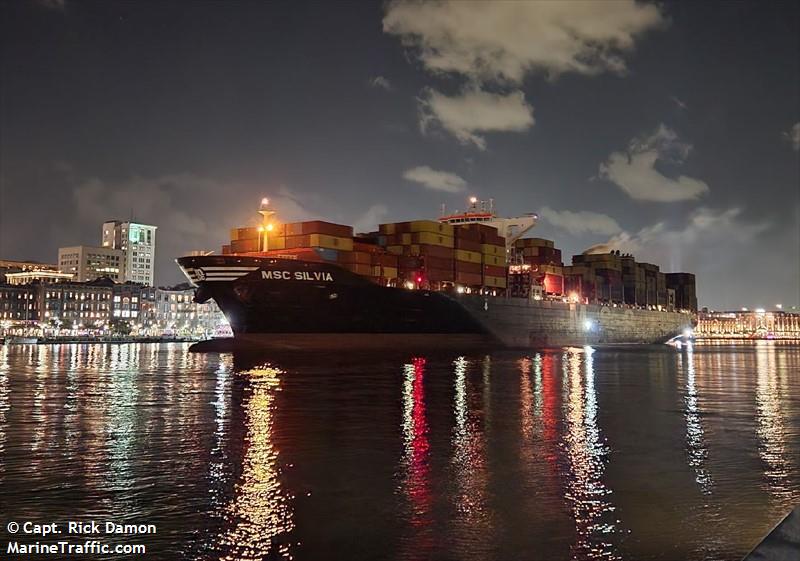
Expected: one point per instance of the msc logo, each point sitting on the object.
(200, 274)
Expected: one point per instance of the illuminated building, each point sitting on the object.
(757, 324)
(88, 263)
(138, 245)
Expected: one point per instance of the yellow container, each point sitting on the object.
(468, 256)
(432, 226)
(388, 272)
(494, 282)
(489, 249)
(278, 242)
(494, 260)
(330, 242)
(431, 238)
(405, 239)
(395, 249)
(234, 234)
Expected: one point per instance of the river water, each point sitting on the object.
(631, 453)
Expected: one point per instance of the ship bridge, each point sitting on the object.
(482, 212)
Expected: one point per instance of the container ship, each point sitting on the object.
(466, 278)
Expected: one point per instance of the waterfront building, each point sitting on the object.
(27, 277)
(135, 302)
(18, 304)
(756, 324)
(88, 263)
(138, 245)
(75, 304)
(177, 313)
(13, 266)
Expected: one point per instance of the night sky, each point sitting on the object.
(670, 130)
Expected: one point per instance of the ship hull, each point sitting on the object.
(291, 304)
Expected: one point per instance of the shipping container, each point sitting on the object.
(331, 242)
(494, 271)
(468, 245)
(469, 279)
(495, 260)
(327, 254)
(492, 249)
(494, 282)
(428, 226)
(355, 257)
(326, 228)
(467, 267)
(468, 256)
(242, 246)
(461, 232)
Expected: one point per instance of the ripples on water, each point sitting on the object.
(652, 453)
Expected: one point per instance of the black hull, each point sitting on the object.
(322, 298)
(292, 304)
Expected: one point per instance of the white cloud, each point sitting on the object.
(381, 82)
(475, 111)
(503, 41)
(436, 180)
(793, 136)
(634, 171)
(370, 219)
(707, 234)
(580, 222)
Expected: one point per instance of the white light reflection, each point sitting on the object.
(587, 493)
(695, 435)
(771, 428)
(472, 519)
(260, 515)
(222, 397)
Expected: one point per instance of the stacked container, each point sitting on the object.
(545, 261)
(425, 250)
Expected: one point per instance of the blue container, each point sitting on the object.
(327, 254)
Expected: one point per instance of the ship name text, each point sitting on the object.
(297, 275)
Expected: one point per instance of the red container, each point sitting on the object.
(494, 271)
(437, 275)
(438, 263)
(467, 267)
(469, 279)
(327, 228)
(468, 245)
(436, 251)
(467, 234)
(355, 257)
(384, 260)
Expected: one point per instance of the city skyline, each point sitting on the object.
(672, 132)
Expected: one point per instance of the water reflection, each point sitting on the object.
(259, 517)
(415, 485)
(472, 520)
(771, 427)
(695, 434)
(595, 520)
